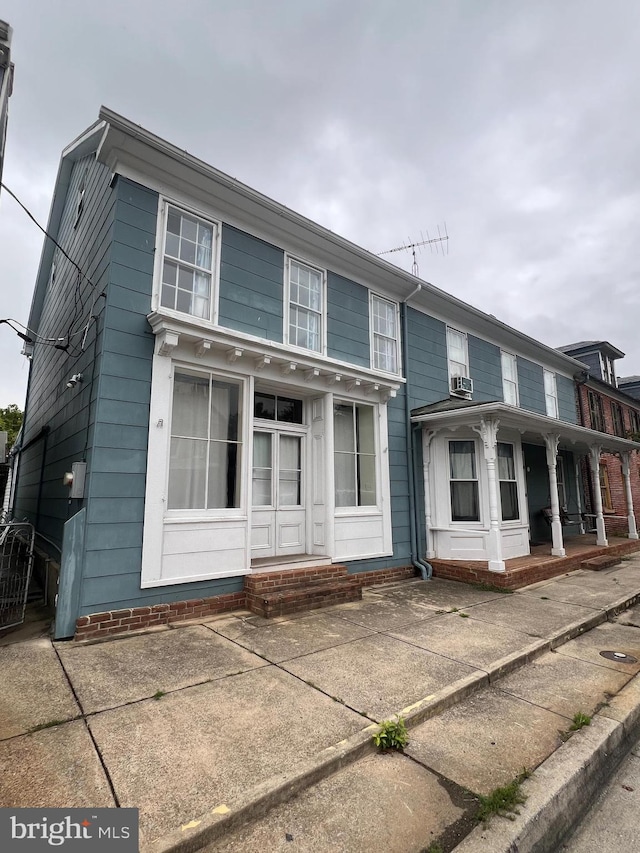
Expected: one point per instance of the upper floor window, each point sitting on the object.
(509, 378)
(354, 454)
(617, 419)
(187, 269)
(305, 306)
(550, 394)
(596, 411)
(634, 420)
(384, 334)
(204, 466)
(457, 353)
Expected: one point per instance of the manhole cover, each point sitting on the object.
(620, 657)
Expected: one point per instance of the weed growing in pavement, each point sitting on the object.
(463, 615)
(580, 720)
(502, 801)
(453, 610)
(544, 598)
(392, 735)
(158, 694)
(48, 725)
(434, 847)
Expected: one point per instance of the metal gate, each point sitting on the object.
(16, 563)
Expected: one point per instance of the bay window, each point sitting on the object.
(354, 455)
(508, 482)
(205, 457)
(465, 504)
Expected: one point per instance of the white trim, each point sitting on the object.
(465, 345)
(286, 305)
(512, 355)
(373, 295)
(164, 202)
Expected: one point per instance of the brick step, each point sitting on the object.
(597, 564)
(283, 578)
(305, 595)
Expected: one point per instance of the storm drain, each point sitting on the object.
(620, 657)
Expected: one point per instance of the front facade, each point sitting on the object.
(235, 388)
(606, 406)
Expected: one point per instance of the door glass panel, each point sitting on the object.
(289, 475)
(262, 469)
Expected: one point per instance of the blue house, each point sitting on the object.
(221, 390)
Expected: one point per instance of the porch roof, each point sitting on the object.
(532, 426)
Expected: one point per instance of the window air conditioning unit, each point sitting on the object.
(462, 386)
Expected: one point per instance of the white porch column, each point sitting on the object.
(594, 456)
(626, 472)
(427, 438)
(488, 432)
(557, 548)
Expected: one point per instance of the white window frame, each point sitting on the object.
(161, 239)
(361, 509)
(211, 513)
(450, 361)
(372, 334)
(551, 410)
(477, 480)
(504, 355)
(288, 260)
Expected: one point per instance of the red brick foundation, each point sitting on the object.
(476, 572)
(115, 622)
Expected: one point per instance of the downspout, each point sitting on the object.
(425, 568)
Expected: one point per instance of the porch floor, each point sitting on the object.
(539, 565)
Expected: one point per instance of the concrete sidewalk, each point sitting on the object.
(206, 726)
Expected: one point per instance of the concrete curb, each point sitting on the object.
(257, 801)
(561, 790)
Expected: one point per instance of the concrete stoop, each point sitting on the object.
(308, 804)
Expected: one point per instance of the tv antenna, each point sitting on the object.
(438, 243)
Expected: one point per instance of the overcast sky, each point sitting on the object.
(516, 123)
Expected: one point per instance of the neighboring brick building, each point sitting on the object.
(604, 406)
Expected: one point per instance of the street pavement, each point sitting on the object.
(612, 825)
(212, 728)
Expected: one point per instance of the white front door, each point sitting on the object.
(278, 526)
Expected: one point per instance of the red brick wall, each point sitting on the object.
(613, 463)
(114, 622)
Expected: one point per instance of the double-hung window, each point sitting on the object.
(509, 378)
(384, 334)
(187, 267)
(306, 306)
(463, 475)
(634, 420)
(354, 455)
(550, 394)
(204, 467)
(617, 418)
(458, 353)
(596, 411)
(508, 482)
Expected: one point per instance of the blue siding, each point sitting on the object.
(567, 406)
(251, 285)
(531, 386)
(347, 320)
(486, 369)
(68, 414)
(428, 367)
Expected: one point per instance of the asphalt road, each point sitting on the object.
(612, 824)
